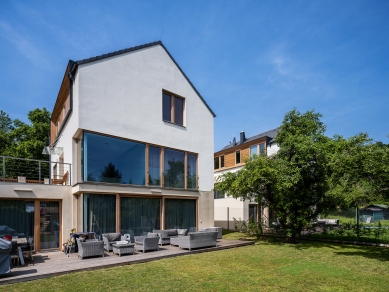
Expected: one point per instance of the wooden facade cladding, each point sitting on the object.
(229, 154)
(61, 107)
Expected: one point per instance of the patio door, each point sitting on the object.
(49, 224)
(253, 213)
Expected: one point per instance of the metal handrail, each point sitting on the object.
(36, 173)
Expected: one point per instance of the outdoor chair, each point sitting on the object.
(90, 248)
(27, 249)
(145, 243)
(60, 180)
(15, 253)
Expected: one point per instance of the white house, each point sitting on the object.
(231, 159)
(137, 138)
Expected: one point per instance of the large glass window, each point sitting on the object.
(49, 225)
(174, 175)
(140, 215)
(17, 218)
(154, 166)
(192, 175)
(99, 213)
(262, 149)
(113, 160)
(180, 213)
(253, 150)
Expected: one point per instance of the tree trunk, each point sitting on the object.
(291, 238)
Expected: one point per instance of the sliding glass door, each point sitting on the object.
(49, 225)
(180, 213)
(139, 215)
(99, 213)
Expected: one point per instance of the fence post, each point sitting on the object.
(39, 172)
(3, 168)
(228, 218)
(357, 220)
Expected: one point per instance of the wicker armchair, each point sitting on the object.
(145, 243)
(90, 248)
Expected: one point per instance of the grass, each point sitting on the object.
(265, 266)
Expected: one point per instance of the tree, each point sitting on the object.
(28, 140)
(110, 174)
(5, 128)
(359, 170)
(293, 182)
(174, 175)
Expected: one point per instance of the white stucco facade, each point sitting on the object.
(121, 97)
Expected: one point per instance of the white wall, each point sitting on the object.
(122, 96)
(272, 149)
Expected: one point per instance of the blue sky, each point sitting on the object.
(251, 60)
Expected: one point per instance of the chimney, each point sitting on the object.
(242, 137)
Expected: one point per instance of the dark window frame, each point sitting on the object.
(237, 158)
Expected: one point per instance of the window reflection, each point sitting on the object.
(154, 166)
(174, 168)
(113, 160)
(192, 177)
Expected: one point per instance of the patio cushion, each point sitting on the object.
(150, 234)
(112, 236)
(171, 232)
(182, 231)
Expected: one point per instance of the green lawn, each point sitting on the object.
(265, 266)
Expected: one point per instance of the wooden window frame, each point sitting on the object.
(219, 162)
(172, 108)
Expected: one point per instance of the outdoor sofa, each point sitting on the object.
(145, 243)
(198, 239)
(218, 229)
(165, 235)
(90, 248)
(111, 238)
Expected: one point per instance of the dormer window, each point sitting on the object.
(173, 108)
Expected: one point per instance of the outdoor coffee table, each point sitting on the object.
(123, 248)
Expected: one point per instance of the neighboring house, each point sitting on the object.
(230, 159)
(374, 213)
(137, 138)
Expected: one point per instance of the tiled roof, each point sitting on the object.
(142, 47)
(270, 134)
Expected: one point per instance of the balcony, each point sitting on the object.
(31, 171)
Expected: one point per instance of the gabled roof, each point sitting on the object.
(375, 207)
(269, 134)
(132, 49)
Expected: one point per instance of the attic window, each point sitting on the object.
(173, 108)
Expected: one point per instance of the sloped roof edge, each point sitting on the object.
(270, 134)
(96, 58)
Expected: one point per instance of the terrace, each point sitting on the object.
(31, 171)
(53, 263)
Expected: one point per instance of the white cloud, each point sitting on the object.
(295, 74)
(23, 44)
